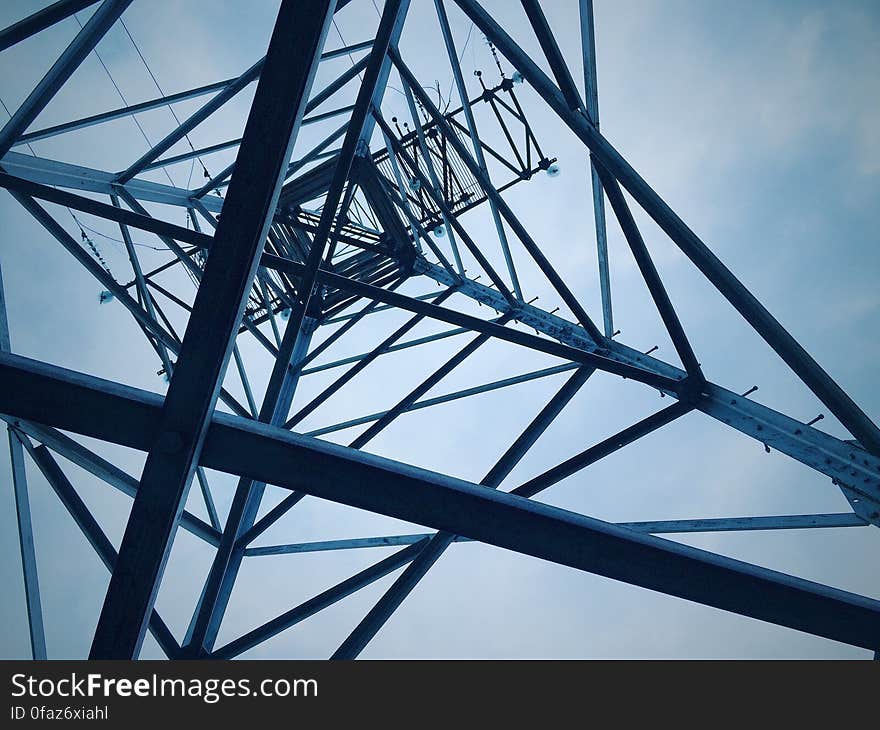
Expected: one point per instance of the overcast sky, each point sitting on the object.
(756, 121)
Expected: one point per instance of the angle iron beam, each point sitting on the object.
(318, 603)
(66, 175)
(452, 53)
(279, 393)
(89, 461)
(649, 272)
(554, 57)
(591, 97)
(96, 537)
(791, 352)
(842, 461)
(108, 116)
(27, 551)
(602, 449)
(655, 527)
(270, 132)
(528, 242)
(75, 53)
(80, 403)
(437, 545)
(440, 399)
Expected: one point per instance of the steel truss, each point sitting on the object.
(281, 248)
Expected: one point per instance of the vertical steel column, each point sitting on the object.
(218, 587)
(270, 132)
(26, 548)
(475, 139)
(591, 86)
(23, 515)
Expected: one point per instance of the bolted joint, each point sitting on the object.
(691, 389)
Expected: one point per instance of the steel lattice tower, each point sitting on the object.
(286, 244)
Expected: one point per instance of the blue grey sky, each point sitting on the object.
(756, 121)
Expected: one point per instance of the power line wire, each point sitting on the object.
(124, 101)
(162, 93)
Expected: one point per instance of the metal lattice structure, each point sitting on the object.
(281, 249)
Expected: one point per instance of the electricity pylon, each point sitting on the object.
(281, 249)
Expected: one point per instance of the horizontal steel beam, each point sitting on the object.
(456, 395)
(109, 116)
(656, 527)
(77, 177)
(841, 460)
(847, 463)
(131, 417)
(103, 210)
(509, 334)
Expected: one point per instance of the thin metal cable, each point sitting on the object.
(76, 220)
(124, 101)
(161, 92)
